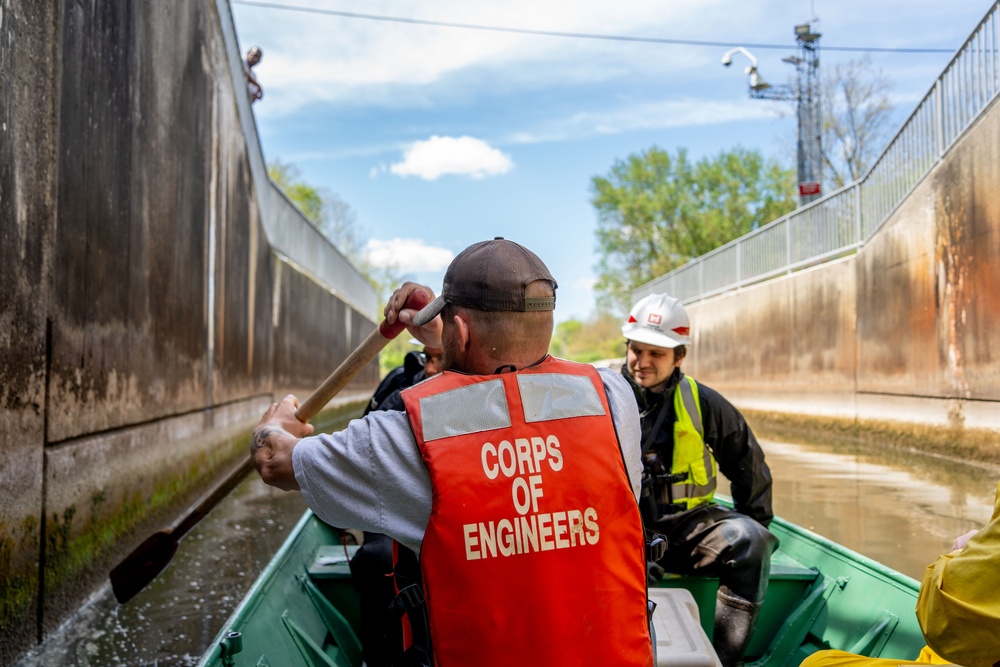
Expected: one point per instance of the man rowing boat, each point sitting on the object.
(512, 474)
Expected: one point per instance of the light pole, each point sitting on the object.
(806, 94)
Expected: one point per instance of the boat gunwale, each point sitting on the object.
(255, 593)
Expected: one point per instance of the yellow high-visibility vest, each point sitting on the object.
(692, 457)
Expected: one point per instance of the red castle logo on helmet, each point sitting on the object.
(655, 319)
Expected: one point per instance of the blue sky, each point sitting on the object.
(440, 137)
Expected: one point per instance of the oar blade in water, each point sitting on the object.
(142, 565)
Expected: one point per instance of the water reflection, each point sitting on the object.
(900, 508)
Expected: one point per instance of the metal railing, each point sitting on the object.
(288, 231)
(841, 222)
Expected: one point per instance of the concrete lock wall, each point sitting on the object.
(146, 319)
(28, 127)
(906, 330)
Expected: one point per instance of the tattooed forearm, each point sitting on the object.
(261, 435)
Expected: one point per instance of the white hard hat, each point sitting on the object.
(658, 320)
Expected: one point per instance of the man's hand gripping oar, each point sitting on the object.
(283, 424)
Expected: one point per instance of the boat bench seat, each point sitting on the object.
(787, 585)
(682, 622)
(784, 568)
(332, 561)
(680, 639)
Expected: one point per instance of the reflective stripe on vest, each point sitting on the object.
(483, 406)
(472, 409)
(692, 458)
(530, 498)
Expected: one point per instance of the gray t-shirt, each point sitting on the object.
(370, 476)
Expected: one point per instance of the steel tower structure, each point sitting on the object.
(806, 94)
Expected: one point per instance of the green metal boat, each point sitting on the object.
(303, 610)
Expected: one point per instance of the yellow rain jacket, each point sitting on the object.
(959, 603)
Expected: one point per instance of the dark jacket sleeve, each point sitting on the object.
(394, 401)
(738, 454)
(398, 378)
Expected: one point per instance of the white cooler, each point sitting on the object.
(679, 638)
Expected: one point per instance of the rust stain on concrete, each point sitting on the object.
(953, 265)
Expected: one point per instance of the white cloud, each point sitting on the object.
(652, 115)
(463, 156)
(356, 63)
(311, 57)
(408, 255)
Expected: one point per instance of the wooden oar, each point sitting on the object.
(148, 559)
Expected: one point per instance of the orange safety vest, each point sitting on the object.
(534, 553)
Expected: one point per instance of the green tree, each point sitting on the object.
(656, 211)
(598, 338)
(332, 215)
(337, 221)
(393, 354)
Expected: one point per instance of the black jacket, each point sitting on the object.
(407, 375)
(727, 434)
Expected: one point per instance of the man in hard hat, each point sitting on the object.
(514, 475)
(689, 434)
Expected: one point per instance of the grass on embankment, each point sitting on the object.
(977, 446)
